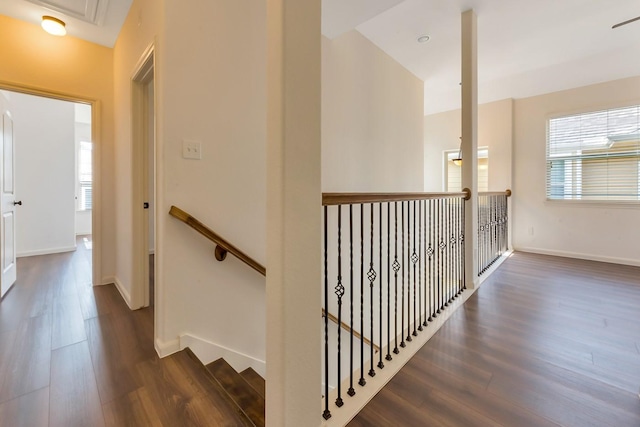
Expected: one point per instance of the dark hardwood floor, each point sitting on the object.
(75, 355)
(546, 341)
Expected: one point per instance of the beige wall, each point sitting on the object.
(34, 59)
(599, 231)
(442, 132)
(371, 119)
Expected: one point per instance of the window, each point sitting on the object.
(594, 156)
(84, 176)
(454, 172)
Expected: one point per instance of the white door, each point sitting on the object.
(8, 208)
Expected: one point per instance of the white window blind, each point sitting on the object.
(454, 172)
(594, 156)
(84, 176)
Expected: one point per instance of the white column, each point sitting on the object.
(470, 142)
(294, 207)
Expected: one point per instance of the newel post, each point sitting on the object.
(470, 143)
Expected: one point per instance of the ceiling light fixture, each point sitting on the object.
(423, 38)
(458, 160)
(53, 26)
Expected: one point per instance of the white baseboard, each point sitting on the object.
(108, 280)
(165, 349)
(208, 351)
(45, 251)
(590, 257)
(123, 291)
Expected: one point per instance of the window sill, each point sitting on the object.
(618, 204)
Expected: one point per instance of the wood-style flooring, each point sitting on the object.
(546, 341)
(73, 355)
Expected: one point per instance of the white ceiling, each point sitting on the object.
(525, 47)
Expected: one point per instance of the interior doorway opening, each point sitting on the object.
(52, 150)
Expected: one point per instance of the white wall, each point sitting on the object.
(44, 132)
(371, 119)
(442, 132)
(600, 231)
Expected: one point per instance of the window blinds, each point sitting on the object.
(594, 156)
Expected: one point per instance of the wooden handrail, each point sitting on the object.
(346, 327)
(330, 199)
(495, 193)
(222, 245)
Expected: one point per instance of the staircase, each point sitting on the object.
(245, 390)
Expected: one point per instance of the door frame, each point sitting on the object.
(96, 183)
(143, 74)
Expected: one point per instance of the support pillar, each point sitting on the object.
(470, 143)
(294, 207)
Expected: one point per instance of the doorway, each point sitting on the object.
(144, 182)
(52, 180)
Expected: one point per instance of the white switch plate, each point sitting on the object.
(191, 150)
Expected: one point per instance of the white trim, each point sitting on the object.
(46, 251)
(123, 292)
(166, 348)
(590, 257)
(107, 280)
(208, 351)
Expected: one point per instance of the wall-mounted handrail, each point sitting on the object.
(222, 245)
(332, 199)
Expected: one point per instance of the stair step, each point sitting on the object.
(245, 396)
(181, 391)
(255, 380)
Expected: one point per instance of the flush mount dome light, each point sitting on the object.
(423, 38)
(53, 26)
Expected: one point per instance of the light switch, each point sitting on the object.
(191, 149)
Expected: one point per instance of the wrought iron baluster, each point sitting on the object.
(362, 381)
(326, 414)
(409, 262)
(339, 290)
(430, 252)
(414, 259)
(396, 268)
(442, 245)
(388, 281)
(464, 221)
(420, 282)
(380, 364)
(371, 275)
(402, 343)
(351, 390)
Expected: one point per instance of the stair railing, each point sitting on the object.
(396, 260)
(493, 228)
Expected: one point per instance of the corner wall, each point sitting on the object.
(598, 231)
(372, 114)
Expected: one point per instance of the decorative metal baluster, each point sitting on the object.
(409, 262)
(362, 381)
(420, 282)
(424, 261)
(441, 287)
(388, 281)
(447, 257)
(351, 390)
(371, 275)
(458, 245)
(430, 253)
(396, 268)
(380, 364)
(339, 289)
(462, 250)
(326, 414)
(452, 248)
(402, 343)
(414, 259)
